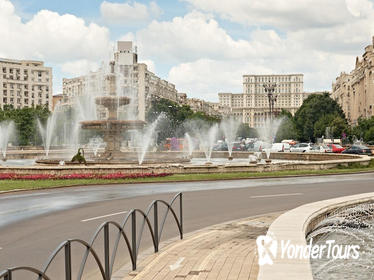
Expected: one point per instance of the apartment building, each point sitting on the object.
(25, 83)
(355, 91)
(252, 106)
(133, 79)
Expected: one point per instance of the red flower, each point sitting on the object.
(110, 176)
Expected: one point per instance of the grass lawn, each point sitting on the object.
(6, 185)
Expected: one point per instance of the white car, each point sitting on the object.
(260, 146)
(301, 148)
(277, 147)
(325, 149)
(320, 149)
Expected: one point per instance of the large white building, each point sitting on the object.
(252, 106)
(135, 80)
(25, 83)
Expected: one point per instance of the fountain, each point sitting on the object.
(95, 144)
(144, 138)
(230, 127)
(258, 156)
(189, 144)
(112, 128)
(329, 133)
(6, 132)
(113, 116)
(267, 134)
(349, 226)
(47, 132)
(252, 159)
(269, 130)
(207, 137)
(267, 152)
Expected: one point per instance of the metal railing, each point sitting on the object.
(106, 267)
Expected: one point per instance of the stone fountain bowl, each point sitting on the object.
(113, 124)
(118, 161)
(112, 101)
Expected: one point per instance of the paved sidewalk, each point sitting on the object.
(224, 251)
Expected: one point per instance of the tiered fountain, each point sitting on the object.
(112, 128)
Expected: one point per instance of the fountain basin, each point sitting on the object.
(173, 162)
(113, 124)
(295, 225)
(117, 161)
(112, 102)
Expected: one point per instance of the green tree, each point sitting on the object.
(336, 123)
(175, 117)
(364, 129)
(244, 131)
(369, 135)
(287, 128)
(25, 121)
(311, 111)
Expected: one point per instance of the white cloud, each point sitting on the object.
(49, 36)
(191, 37)
(290, 14)
(129, 12)
(79, 67)
(208, 60)
(204, 78)
(359, 7)
(334, 25)
(150, 64)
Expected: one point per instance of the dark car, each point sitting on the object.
(237, 146)
(358, 150)
(220, 147)
(249, 147)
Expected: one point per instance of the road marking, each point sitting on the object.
(275, 195)
(177, 264)
(104, 216)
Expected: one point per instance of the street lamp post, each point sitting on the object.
(272, 98)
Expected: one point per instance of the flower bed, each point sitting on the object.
(118, 175)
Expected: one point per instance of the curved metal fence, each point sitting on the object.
(155, 229)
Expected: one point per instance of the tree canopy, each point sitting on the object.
(175, 117)
(25, 122)
(316, 112)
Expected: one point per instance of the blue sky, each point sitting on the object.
(202, 46)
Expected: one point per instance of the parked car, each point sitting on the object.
(290, 142)
(220, 147)
(325, 149)
(277, 147)
(260, 145)
(250, 146)
(358, 150)
(237, 146)
(315, 149)
(287, 147)
(301, 147)
(336, 148)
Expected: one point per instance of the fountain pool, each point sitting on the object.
(349, 226)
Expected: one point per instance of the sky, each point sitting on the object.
(202, 46)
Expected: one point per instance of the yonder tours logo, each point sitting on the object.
(267, 247)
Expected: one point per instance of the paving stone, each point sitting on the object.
(220, 252)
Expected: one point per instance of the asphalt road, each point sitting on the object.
(32, 224)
